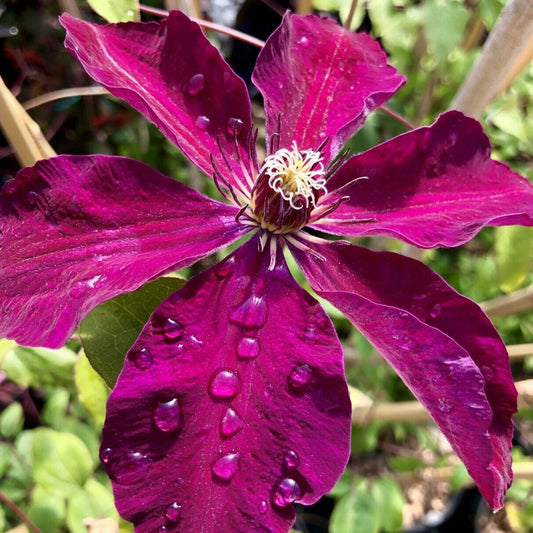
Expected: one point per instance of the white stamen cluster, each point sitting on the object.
(295, 175)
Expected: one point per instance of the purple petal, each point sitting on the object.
(172, 74)
(243, 413)
(434, 186)
(441, 344)
(321, 81)
(77, 230)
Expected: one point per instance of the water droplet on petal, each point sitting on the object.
(168, 416)
(291, 459)
(227, 267)
(142, 358)
(444, 405)
(196, 84)
(263, 507)
(105, 455)
(250, 314)
(226, 467)
(234, 126)
(162, 529)
(286, 492)
(248, 348)
(31, 197)
(303, 42)
(130, 468)
(231, 423)
(172, 329)
(203, 122)
(435, 311)
(300, 376)
(225, 384)
(173, 512)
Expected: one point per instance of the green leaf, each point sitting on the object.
(92, 390)
(354, 513)
(116, 10)
(390, 501)
(459, 477)
(40, 367)
(343, 485)
(5, 346)
(111, 328)
(61, 462)
(514, 255)
(405, 463)
(93, 501)
(11, 420)
(47, 510)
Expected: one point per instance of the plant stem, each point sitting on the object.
(349, 18)
(397, 116)
(64, 93)
(502, 50)
(19, 512)
(210, 26)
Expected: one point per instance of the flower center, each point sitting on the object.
(287, 189)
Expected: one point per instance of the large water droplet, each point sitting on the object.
(291, 459)
(105, 455)
(203, 122)
(173, 512)
(300, 376)
(250, 314)
(172, 329)
(231, 423)
(130, 468)
(162, 529)
(142, 358)
(303, 42)
(234, 126)
(227, 267)
(263, 507)
(435, 311)
(248, 348)
(196, 84)
(226, 467)
(32, 197)
(225, 384)
(286, 492)
(168, 416)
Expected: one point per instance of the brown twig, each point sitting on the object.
(397, 116)
(19, 512)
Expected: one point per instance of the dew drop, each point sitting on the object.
(444, 405)
(227, 267)
(250, 314)
(172, 329)
(173, 512)
(286, 492)
(142, 358)
(435, 311)
(300, 376)
(226, 467)
(105, 455)
(168, 416)
(196, 84)
(234, 126)
(203, 122)
(248, 348)
(231, 423)
(291, 459)
(32, 197)
(130, 468)
(303, 42)
(263, 507)
(224, 384)
(162, 529)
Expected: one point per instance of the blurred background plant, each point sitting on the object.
(402, 474)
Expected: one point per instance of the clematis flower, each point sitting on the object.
(232, 403)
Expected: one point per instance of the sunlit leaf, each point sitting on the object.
(11, 420)
(39, 367)
(390, 501)
(47, 510)
(111, 328)
(116, 10)
(514, 255)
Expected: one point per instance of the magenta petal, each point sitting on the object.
(434, 186)
(321, 81)
(172, 74)
(77, 230)
(441, 344)
(244, 413)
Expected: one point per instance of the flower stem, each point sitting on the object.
(64, 93)
(349, 18)
(19, 512)
(209, 26)
(397, 116)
